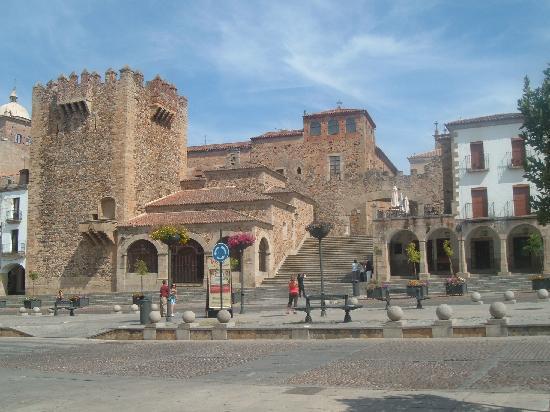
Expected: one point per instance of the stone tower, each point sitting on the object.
(101, 150)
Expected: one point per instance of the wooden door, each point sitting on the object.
(477, 156)
(187, 263)
(479, 203)
(518, 152)
(521, 200)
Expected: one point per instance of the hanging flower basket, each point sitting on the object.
(319, 230)
(171, 235)
(240, 241)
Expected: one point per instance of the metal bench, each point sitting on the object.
(387, 298)
(322, 298)
(64, 304)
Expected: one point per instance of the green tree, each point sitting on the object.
(535, 107)
(448, 249)
(413, 255)
(141, 269)
(34, 277)
(535, 247)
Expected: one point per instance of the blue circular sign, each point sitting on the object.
(220, 252)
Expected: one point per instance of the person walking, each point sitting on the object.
(355, 270)
(368, 270)
(292, 295)
(164, 294)
(301, 287)
(172, 298)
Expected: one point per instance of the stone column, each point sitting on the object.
(546, 250)
(382, 267)
(423, 261)
(462, 265)
(163, 266)
(503, 257)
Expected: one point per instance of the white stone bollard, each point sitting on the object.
(36, 311)
(154, 306)
(542, 294)
(22, 311)
(353, 301)
(154, 316)
(443, 326)
(394, 327)
(497, 310)
(188, 316)
(117, 309)
(509, 297)
(497, 326)
(134, 308)
(476, 298)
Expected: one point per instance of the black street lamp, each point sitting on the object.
(319, 230)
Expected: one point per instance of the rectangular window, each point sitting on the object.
(480, 207)
(477, 159)
(518, 152)
(334, 162)
(315, 128)
(18, 138)
(521, 200)
(333, 127)
(350, 125)
(14, 240)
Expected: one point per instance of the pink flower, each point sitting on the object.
(241, 240)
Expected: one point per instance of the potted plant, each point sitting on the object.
(413, 255)
(239, 242)
(417, 288)
(455, 285)
(141, 269)
(32, 301)
(539, 282)
(376, 290)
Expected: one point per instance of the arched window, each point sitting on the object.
(350, 125)
(263, 253)
(315, 128)
(333, 126)
(108, 208)
(299, 171)
(143, 250)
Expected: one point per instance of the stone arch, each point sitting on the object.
(14, 275)
(142, 249)
(399, 264)
(482, 246)
(187, 265)
(437, 260)
(520, 260)
(263, 255)
(107, 208)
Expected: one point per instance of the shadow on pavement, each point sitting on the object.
(420, 402)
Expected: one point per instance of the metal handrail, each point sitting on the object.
(14, 215)
(484, 163)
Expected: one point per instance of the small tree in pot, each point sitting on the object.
(31, 301)
(239, 242)
(413, 255)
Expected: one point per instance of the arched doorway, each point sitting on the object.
(438, 262)
(399, 263)
(142, 250)
(188, 263)
(483, 250)
(263, 255)
(521, 259)
(16, 280)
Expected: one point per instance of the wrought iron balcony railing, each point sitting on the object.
(14, 215)
(12, 249)
(468, 212)
(477, 165)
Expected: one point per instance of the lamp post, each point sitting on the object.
(319, 230)
(241, 241)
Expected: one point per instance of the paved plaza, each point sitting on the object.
(505, 374)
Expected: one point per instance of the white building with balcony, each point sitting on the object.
(492, 196)
(13, 233)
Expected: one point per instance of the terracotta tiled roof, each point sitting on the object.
(340, 110)
(426, 155)
(190, 217)
(277, 189)
(490, 118)
(274, 190)
(208, 195)
(279, 133)
(219, 146)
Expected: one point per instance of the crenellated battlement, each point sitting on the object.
(83, 87)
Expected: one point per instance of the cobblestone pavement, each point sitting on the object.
(341, 375)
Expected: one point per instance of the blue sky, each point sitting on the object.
(252, 66)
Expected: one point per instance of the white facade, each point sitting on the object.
(498, 174)
(13, 234)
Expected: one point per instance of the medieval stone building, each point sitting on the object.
(15, 137)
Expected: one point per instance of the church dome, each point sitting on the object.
(14, 109)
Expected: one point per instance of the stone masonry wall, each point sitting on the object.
(14, 156)
(112, 149)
